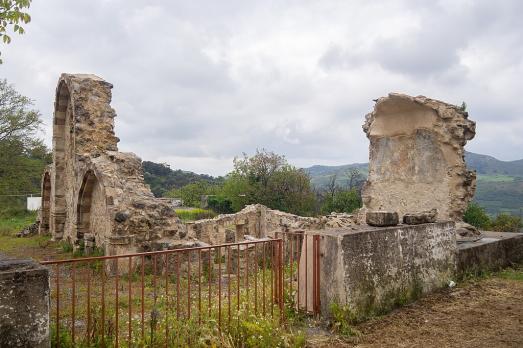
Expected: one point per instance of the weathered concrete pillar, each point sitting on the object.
(24, 303)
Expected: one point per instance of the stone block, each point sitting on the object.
(24, 304)
(382, 218)
(424, 217)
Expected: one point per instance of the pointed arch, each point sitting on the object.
(85, 200)
(91, 210)
(61, 140)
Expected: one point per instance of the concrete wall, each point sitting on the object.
(24, 304)
(496, 250)
(374, 269)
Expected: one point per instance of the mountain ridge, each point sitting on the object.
(499, 183)
(483, 164)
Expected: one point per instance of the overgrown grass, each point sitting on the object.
(167, 321)
(195, 214)
(10, 226)
(343, 320)
(514, 273)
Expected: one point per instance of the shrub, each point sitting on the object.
(345, 201)
(342, 320)
(220, 205)
(477, 217)
(506, 223)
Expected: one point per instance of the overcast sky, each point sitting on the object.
(199, 82)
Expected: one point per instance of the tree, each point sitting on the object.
(355, 178)
(476, 216)
(191, 194)
(267, 178)
(332, 187)
(344, 201)
(18, 122)
(12, 15)
(22, 156)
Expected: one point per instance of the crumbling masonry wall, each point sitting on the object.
(416, 157)
(95, 196)
(256, 221)
(91, 193)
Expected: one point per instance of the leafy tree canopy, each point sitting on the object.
(12, 17)
(476, 216)
(267, 178)
(22, 155)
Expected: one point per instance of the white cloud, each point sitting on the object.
(197, 83)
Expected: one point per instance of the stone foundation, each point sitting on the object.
(24, 304)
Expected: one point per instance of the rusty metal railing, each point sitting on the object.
(301, 255)
(165, 298)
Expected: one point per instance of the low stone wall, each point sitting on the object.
(24, 304)
(259, 221)
(372, 270)
(494, 251)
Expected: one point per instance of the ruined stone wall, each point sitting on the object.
(259, 221)
(95, 193)
(95, 196)
(416, 157)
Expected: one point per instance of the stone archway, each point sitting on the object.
(93, 222)
(46, 204)
(61, 141)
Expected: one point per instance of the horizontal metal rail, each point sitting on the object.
(165, 298)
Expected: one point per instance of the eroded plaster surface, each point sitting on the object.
(416, 157)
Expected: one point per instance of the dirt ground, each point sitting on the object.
(481, 313)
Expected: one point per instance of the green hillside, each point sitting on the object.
(161, 178)
(499, 184)
(320, 175)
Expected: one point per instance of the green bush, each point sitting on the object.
(345, 201)
(220, 205)
(477, 216)
(506, 223)
(256, 332)
(342, 320)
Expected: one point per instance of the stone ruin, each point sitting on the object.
(95, 196)
(416, 157)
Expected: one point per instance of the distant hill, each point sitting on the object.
(499, 189)
(488, 165)
(162, 178)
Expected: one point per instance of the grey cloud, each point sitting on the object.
(199, 82)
